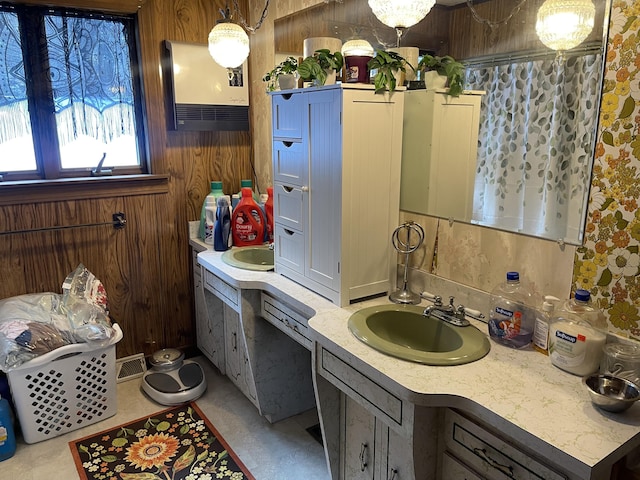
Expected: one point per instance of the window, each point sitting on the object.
(69, 101)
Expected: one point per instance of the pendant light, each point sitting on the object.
(401, 13)
(228, 41)
(564, 24)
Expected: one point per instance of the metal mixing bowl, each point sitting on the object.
(611, 393)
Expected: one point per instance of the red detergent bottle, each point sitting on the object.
(247, 222)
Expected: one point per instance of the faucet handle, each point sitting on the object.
(437, 300)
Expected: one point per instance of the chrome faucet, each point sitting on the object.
(449, 313)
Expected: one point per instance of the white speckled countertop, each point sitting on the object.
(518, 392)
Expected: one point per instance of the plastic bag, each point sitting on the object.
(31, 325)
(37, 323)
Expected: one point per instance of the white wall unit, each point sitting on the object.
(336, 162)
(439, 130)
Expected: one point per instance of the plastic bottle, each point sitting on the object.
(7, 436)
(210, 208)
(541, 329)
(247, 221)
(222, 227)
(512, 317)
(246, 183)
(216, 191)
(268, 210)
(577, 335)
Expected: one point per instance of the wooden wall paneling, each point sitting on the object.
(145, 266)
(471, 39)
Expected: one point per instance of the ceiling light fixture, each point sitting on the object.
(228, 41)
(400, 14)
(564, 24)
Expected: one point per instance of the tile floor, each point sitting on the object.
(280, 451)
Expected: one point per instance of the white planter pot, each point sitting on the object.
(433, 80)
(287, 81)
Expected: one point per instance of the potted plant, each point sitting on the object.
(319, 66)
(283, 74)
(447, 67)
(390, 68)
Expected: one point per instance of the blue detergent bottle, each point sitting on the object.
(222, 227)
(7, 437)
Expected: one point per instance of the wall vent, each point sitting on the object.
(128, 368)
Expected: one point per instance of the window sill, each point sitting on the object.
(38, 191)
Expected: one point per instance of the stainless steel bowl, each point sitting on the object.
(611, 393)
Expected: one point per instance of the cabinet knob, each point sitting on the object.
(305, 188)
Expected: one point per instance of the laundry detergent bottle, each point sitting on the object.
(216, 191)
(247, 221)
(222, 227)
(512, 315)
(7, 436)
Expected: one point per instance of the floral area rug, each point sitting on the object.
(175, 444)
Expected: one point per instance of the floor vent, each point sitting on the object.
(128, 368)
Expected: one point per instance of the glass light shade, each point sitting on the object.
(357, 47)
(401, 13)
(564, 24)
(228, 44)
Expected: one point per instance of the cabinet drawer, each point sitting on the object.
(489, 455)
(357, 385)
(286, 319)
(289, 248)
(221, 289)
(288, 206)
(290, 162)
(289, 120)
(452, 469)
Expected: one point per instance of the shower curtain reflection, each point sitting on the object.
(533, 179)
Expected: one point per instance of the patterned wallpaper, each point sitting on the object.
(608, 263)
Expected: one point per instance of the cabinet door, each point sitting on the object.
(233, 355)
(398, 461)
(210, 326)
(359, 446)
(325, 189)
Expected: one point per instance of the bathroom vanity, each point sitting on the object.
(510, 414)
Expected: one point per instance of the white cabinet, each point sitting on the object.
(439, 153)
(336, 169)
(259, 342)
(375, 435)
(209, 320)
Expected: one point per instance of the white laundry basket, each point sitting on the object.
(66, 389)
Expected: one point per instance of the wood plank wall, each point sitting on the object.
(146, 266)
(445, 30)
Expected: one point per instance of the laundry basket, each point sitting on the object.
(65, 389)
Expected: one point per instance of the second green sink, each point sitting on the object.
(249, 258)
(404, 332)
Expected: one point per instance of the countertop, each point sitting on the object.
(518, 392)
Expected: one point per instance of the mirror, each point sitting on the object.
(545, 193)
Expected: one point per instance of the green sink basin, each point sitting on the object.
(249, 258)
(403, 331)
